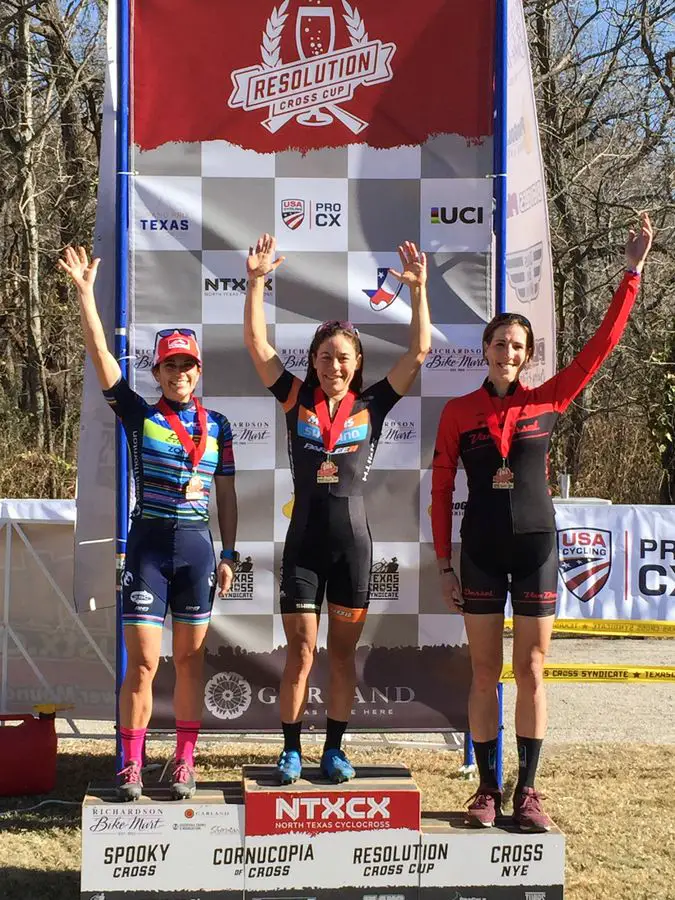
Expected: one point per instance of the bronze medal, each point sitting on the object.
(194, 489)
(503, 478)
(328, 473)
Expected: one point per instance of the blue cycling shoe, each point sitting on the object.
(336, 767)
(289, 766)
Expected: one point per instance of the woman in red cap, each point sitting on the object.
(179, 451)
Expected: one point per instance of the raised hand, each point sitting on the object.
(638, 244)
(76, 264)
(413, 266)
(261, 259)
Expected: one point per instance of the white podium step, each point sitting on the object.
(313, 840)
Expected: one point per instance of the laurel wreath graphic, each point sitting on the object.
(355, 25)
(269, 49)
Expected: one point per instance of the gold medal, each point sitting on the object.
(328, 473)
(194, 489)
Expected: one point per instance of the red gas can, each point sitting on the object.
(27, 755)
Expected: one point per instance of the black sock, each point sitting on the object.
(528, 760)
(292, 735)
(486, 758)
(334, 732)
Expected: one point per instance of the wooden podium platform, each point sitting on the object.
(256, 840)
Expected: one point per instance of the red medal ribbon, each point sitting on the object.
(502, 435)
(195, 444)
(331, 431)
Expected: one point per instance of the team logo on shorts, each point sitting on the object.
(584, 560)
(388, 289)
(127, 578)
(293, 213)
(227, 695)
(312, 88)
(524, 270)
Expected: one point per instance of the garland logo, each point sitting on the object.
(227, 695)
(312, 88)
(585, 560)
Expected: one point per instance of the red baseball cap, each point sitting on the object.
(171, 342)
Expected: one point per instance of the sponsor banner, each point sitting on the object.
(592, 672)
(270, 812)
(374, 294)
(301, 76)
(616, 562)
(493, 858)
(529, 271)
(143, 846)
(455, 365)
(311, 213)
(223, 288)
(400, 441)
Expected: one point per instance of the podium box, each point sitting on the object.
(158, 847)
(313, 840)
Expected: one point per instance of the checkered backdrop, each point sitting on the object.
(199, 204)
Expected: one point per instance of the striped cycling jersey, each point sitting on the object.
(160, 465)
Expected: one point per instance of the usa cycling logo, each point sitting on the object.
(293, 213)
(524, 270)
(584, 560)
(313, 87)
(388, 289)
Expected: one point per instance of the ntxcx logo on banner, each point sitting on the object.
(585, 560)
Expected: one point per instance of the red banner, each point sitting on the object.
(258, 74)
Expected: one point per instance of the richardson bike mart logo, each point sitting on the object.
(312, 88)
(524, 271)
(455, 359)
(585, 560)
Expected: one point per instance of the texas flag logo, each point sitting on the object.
(388, 289)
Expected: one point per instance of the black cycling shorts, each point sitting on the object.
(168, 566)
(328, 551)
(524, 565)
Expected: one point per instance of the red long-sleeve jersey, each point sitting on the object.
(463, 432)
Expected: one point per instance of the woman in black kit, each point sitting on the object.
(333, 429)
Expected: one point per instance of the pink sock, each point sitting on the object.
(132, 744)
(186, 738)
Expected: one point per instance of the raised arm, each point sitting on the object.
(571, 380)
(259, 264)
(413, 274)
(83, 274)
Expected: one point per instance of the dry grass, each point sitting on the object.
(615, 804)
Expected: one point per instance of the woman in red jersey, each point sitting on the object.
(502, 432)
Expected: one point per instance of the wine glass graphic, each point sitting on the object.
(314, 36)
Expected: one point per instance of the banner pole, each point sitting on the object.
(121, 315)
(500, 198)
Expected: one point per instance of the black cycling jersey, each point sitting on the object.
(354, 449)
(328, 547)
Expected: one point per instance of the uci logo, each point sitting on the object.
(467, 215)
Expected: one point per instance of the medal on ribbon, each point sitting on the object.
(193, 444)
(502, 436)
(328, 472)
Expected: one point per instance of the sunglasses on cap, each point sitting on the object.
(184, 341)
(336, 323)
